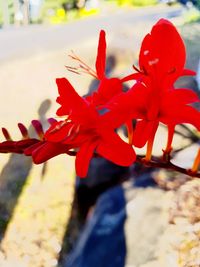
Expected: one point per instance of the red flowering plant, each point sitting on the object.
(88, 125)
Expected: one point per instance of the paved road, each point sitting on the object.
(22, 42)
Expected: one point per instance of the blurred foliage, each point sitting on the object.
(138, 2)
(143, 2)
(88, 12)
(61, 11)
(192, 15)
(198, 3)
(1, 18)
(56, 11)
(52, 4)
(10, 10)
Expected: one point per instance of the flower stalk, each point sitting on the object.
(196, 163)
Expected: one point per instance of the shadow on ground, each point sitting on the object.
(14, 175)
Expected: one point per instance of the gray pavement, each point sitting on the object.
(34, 39)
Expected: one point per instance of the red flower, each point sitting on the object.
(45, 150)
(170, 107)
(153, 99)
(108, 87)
(31, 146)
(151, 107)
(162, 57)
(89, 123)
(10, 146)
(85, 131)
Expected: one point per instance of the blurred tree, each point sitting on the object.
(6, 14)
(25, 11)
(1, 18)
(196, 3)
(35, 10)
(16, 4)
(14, 11)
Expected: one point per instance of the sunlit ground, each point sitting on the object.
(35, 233)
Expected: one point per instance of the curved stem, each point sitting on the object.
(167, 165)
(156, 162)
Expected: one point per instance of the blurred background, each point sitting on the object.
(39, 207)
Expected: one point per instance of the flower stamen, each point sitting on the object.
(83, 66)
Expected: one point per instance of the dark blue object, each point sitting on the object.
(102, 242)
(144, 180)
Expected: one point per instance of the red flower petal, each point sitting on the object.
(83, 158)
(113, 148)
(178, 97)
(24, 144)
(107, 89)
(29, 150)
(58, 131)
(134, 76)
(142, 132)
(163, 52)
(69, 99)
(9, 147)
(188, 72)
(129, 105)
(74, 105)
(101, 56)
(17, 146)
(47, 150)
(181, 114)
